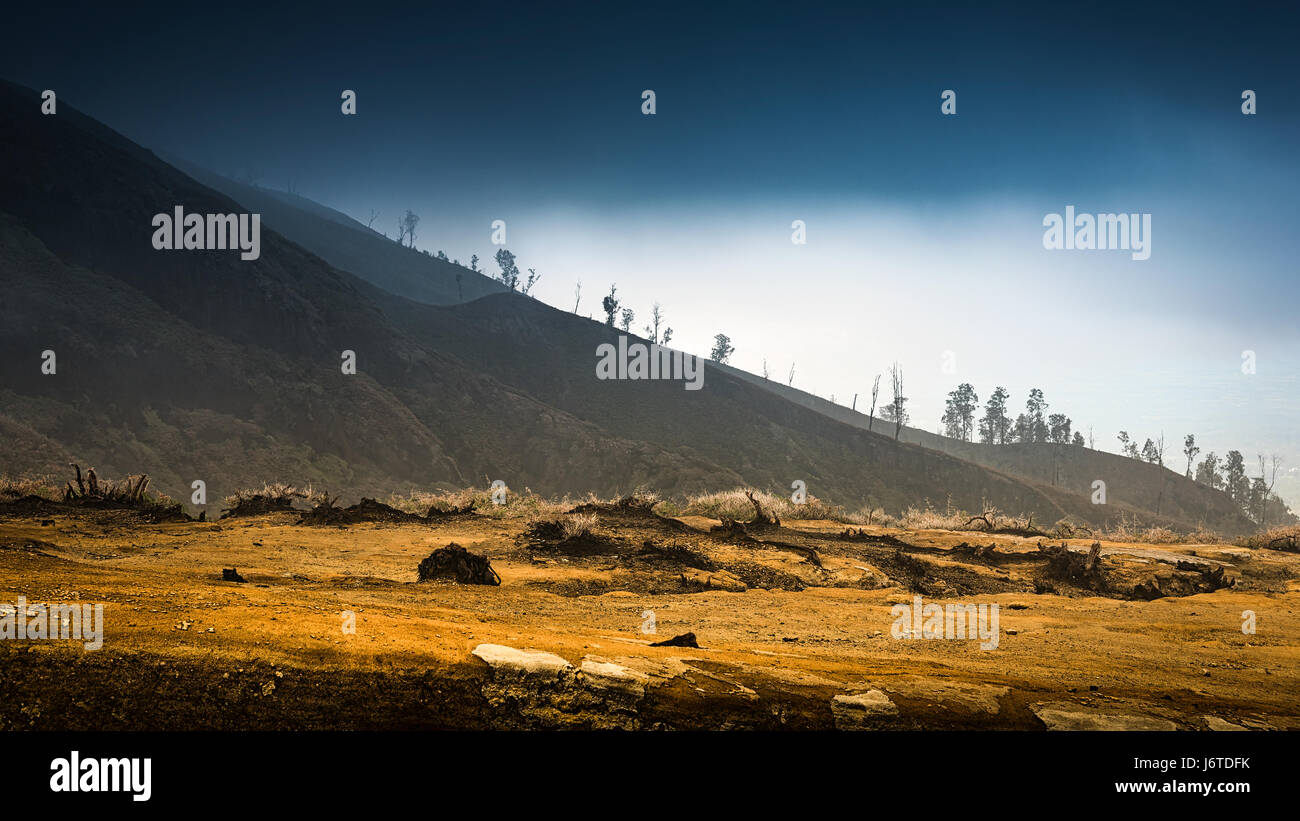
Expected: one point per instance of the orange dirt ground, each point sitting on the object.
(185, 650)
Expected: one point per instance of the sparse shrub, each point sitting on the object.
(1067, 528)
(727, 504)
(420, 502)
(16, 488)
(269, 498)
(1159, 535)
(1127, 530)
(915, 518)
(1284, 537)
(670, 508)
(578, 525)
(563, 528)
(1130, 529)
(737, 506)
(1202, 535)
(642, 497)
(869, 516)
(526, 504)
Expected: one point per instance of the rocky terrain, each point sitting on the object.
(792, 624)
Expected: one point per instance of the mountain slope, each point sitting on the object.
(1134, 483)
(350, 246)
(197, 365)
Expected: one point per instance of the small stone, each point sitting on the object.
(861, 711)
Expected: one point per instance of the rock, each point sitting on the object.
(1257, 725)
(1216, 723)
(957, 697)
(684, 640)
(711, 580)
(522, 662)
(230, 574)
(1067, 716)
(863, 711)
(872, 578)
(606, 675)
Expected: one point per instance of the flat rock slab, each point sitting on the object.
(607, 675)
(1165, 556)
(522, 662)
(961, 697)
(1067, 716)
(1222, 725)
(863, 711)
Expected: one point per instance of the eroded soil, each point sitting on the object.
(794, 626)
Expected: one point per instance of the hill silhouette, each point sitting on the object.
(1130, 482)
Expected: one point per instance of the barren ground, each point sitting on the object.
(184, 649)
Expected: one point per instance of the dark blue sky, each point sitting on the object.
(542, 100)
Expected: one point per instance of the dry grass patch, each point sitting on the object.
(735, 505)
(1284, 537)
(479, 501)
(19, 487)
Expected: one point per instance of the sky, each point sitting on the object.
(924, 231)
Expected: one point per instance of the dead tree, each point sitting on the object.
(762, 517)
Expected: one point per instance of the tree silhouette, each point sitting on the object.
(995, 423)
(406, 227)
(1190, 450)
(959, 412)
(610, 305)
(722, 349)
(509, 275)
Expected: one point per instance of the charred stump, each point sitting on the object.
(455, 562)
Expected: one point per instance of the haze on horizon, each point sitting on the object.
(924, 231)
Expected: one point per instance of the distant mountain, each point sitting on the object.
(1134, 483)
(198, 365)
(350, 246)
